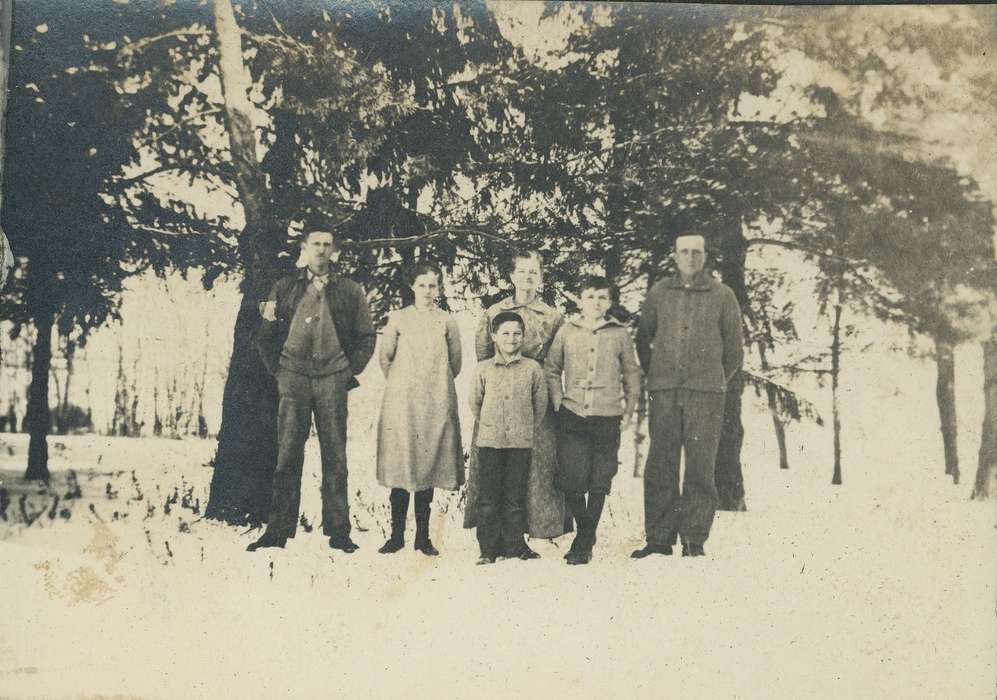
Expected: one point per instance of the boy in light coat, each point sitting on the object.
(594, 382)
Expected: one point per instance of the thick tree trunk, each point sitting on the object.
(729, 471)
(729, 476)
(945, 395)
(835, 374)
(247, 440)
(986, 470)
(39, 417)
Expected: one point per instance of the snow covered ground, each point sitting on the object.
(882, 587)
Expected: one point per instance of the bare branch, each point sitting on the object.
(164, 232)
(141, 44)
(426, 237)
(122, 182)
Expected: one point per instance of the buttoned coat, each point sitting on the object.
(593, 370)
(689, 335)
(545, 511)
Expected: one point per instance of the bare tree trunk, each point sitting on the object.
(202, 424)
(835, 376)
(120, 422)
(39, 417)
(157, 422)
(6, 6)
(57, 413)
(70, 355)
(247, 439)
(986, 470)
(777, 423)
(945, 396)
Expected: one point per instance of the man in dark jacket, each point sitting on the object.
(689, 342)
(316, 336)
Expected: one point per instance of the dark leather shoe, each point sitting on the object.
(426, 547)
(575, 546)
(392, 545)
(344, 543)
(650, 549)
(484, 559)
(526, 554)
(582, 556)
(267, 540)
(693, 550)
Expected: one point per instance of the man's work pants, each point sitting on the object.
(299, 397)
(680, 418)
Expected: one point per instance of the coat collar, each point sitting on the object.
(537, 305)
(306, 275)
(702, 282)
(606, 323)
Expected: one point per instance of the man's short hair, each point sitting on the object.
(309, 233)
(507, 317)
(596, 282)
(691, 234)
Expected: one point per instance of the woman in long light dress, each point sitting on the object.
(545, 510)
(418, 439)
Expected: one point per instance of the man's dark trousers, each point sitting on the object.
(503, 477)
(300, 397)
(691, 419)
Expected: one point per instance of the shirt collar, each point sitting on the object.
(537, 305)
(512, 360)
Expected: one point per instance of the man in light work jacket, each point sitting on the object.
(316, 336)
(690, 345)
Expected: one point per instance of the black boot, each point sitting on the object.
(587, 528)
(399, 512)
(650, 549)
(693, 550)
(576, 506)
(268, 539)
(423, 499)
(593, 514)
